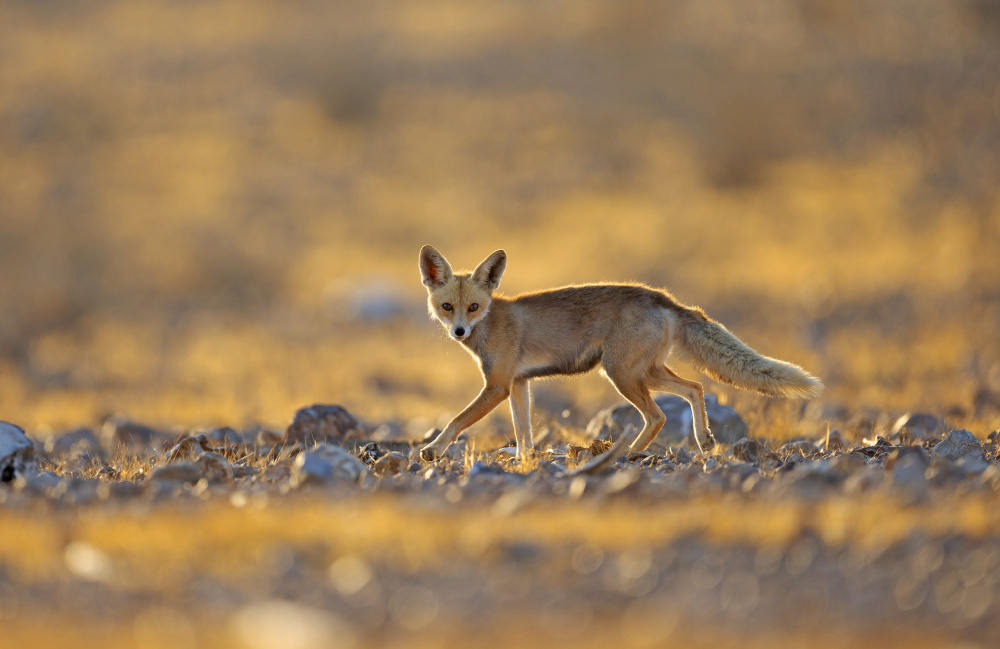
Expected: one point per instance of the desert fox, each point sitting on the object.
(627, 329)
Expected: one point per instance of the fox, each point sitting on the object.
(628, 329)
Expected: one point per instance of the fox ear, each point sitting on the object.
(434, 269)
(488, 273)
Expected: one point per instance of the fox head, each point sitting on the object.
(460, 301)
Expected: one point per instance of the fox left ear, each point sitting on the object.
(488, 273)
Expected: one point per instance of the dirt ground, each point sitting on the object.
(210, 214)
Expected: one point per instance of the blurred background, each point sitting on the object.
(210, 211)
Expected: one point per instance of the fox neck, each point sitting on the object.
(477, 339)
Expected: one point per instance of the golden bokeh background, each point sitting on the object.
(210, 211)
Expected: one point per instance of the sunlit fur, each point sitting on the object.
(629, 330)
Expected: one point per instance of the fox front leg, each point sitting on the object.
(490, 397)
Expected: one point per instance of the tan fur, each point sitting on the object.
(627, 329)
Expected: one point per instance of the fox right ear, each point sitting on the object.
(434, 269)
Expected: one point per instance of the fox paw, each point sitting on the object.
(708, 444)
(428, 453)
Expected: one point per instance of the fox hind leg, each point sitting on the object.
(663, 379)
(637, 393)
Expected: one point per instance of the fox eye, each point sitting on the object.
(473, 307)
(446, 306)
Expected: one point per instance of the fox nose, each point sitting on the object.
(460, 332)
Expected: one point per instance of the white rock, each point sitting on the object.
(17, 453)
(326, 465)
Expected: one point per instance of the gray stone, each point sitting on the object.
(834, 441)
(320, 423)
(960, 444)
(481, 469)
(267, 438)
(682, 456)
(215, 467)
(916, 426)
(71, 444)
(121, 432)
(177, 472)
(326, 465)
(748, 450)
(726, 424)
(17, 453)
(801, 447)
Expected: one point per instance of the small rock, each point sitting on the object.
(321, 423)
(326, 465)
(682, 456)
(650, 461)
(835, 441)
(121, 432)
(916, 426)
(370, 453)
(17, 453)
(801, 447)
(960, 444)
(748, 450)
(481, 469)
(877, 449)
(109, 473)
(268, 438)
(390, 464)
(71, 444)
(710, 465)
(215, 467)
(188, 472)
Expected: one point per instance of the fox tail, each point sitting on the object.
(712, 349)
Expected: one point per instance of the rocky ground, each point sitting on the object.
(333, 533)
